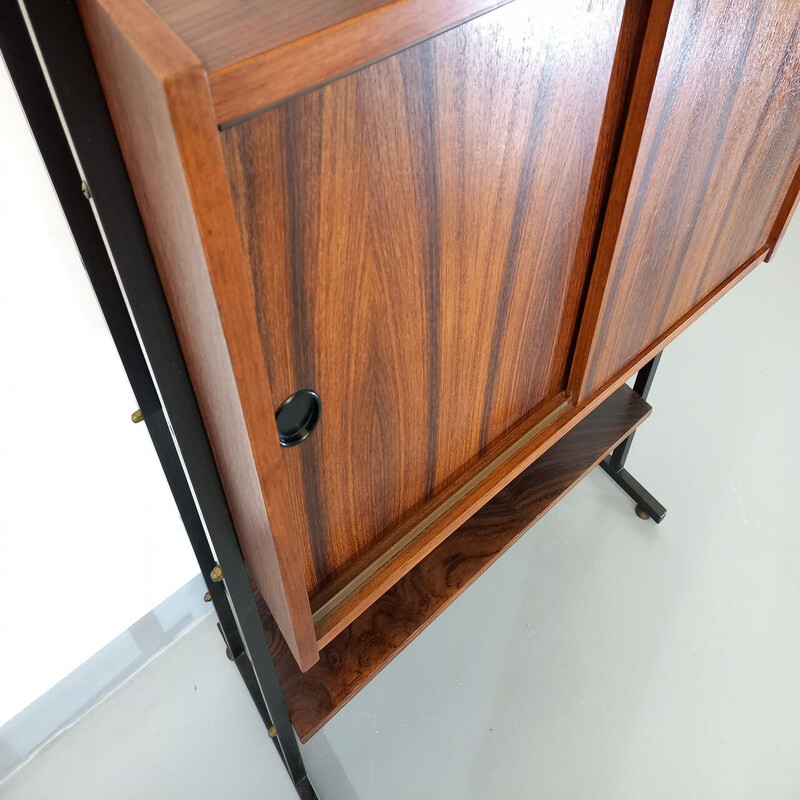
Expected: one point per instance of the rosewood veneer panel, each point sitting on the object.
(411, 231)
(718, 151)
(357, 654)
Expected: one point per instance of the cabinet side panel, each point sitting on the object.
(718, 152)
(159, 104)
(412, 231)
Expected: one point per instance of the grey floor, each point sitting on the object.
(602, 657)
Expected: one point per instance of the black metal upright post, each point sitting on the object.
(132, 300)
(647, 507)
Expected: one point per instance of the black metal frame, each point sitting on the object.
(85, 149)
(647, 507)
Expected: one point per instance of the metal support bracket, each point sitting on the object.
(647, 507)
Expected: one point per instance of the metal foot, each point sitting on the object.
(647, 507)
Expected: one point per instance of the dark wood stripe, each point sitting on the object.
(252, 244)
(302, 233)
(521, 207)
(421, 98)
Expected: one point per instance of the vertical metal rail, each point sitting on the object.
(646, 505)
(84, 148)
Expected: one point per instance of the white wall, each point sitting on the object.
(89, 536)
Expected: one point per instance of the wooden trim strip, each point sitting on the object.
(358, 654)
(250, 86)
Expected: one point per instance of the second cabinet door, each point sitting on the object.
(704, 168)
(412, 230)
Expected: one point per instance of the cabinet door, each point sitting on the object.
(708, 156)
(412, 231)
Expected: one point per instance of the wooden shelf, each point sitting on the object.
(359, 652)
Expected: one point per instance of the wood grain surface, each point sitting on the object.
(159, 103)
(412, 231)
(719, 147)
(222, 33)
(375, 638)
(259, 53)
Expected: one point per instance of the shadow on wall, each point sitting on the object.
(27, 732)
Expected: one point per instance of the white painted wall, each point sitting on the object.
(89, 535)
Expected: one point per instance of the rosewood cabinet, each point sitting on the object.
(409, 246)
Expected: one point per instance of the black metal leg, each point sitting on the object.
(135, 309)
(647, 507)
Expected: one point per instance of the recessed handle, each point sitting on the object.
(297, 417)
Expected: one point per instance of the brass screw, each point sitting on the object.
(207, 597)
(85, 190)
(273, 732)
(137, 415)
(216, 574)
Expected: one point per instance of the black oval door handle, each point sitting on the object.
(297, 417)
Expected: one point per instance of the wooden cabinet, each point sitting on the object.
(411, 231)
(461, 225)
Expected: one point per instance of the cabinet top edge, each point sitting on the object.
(259, 54)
